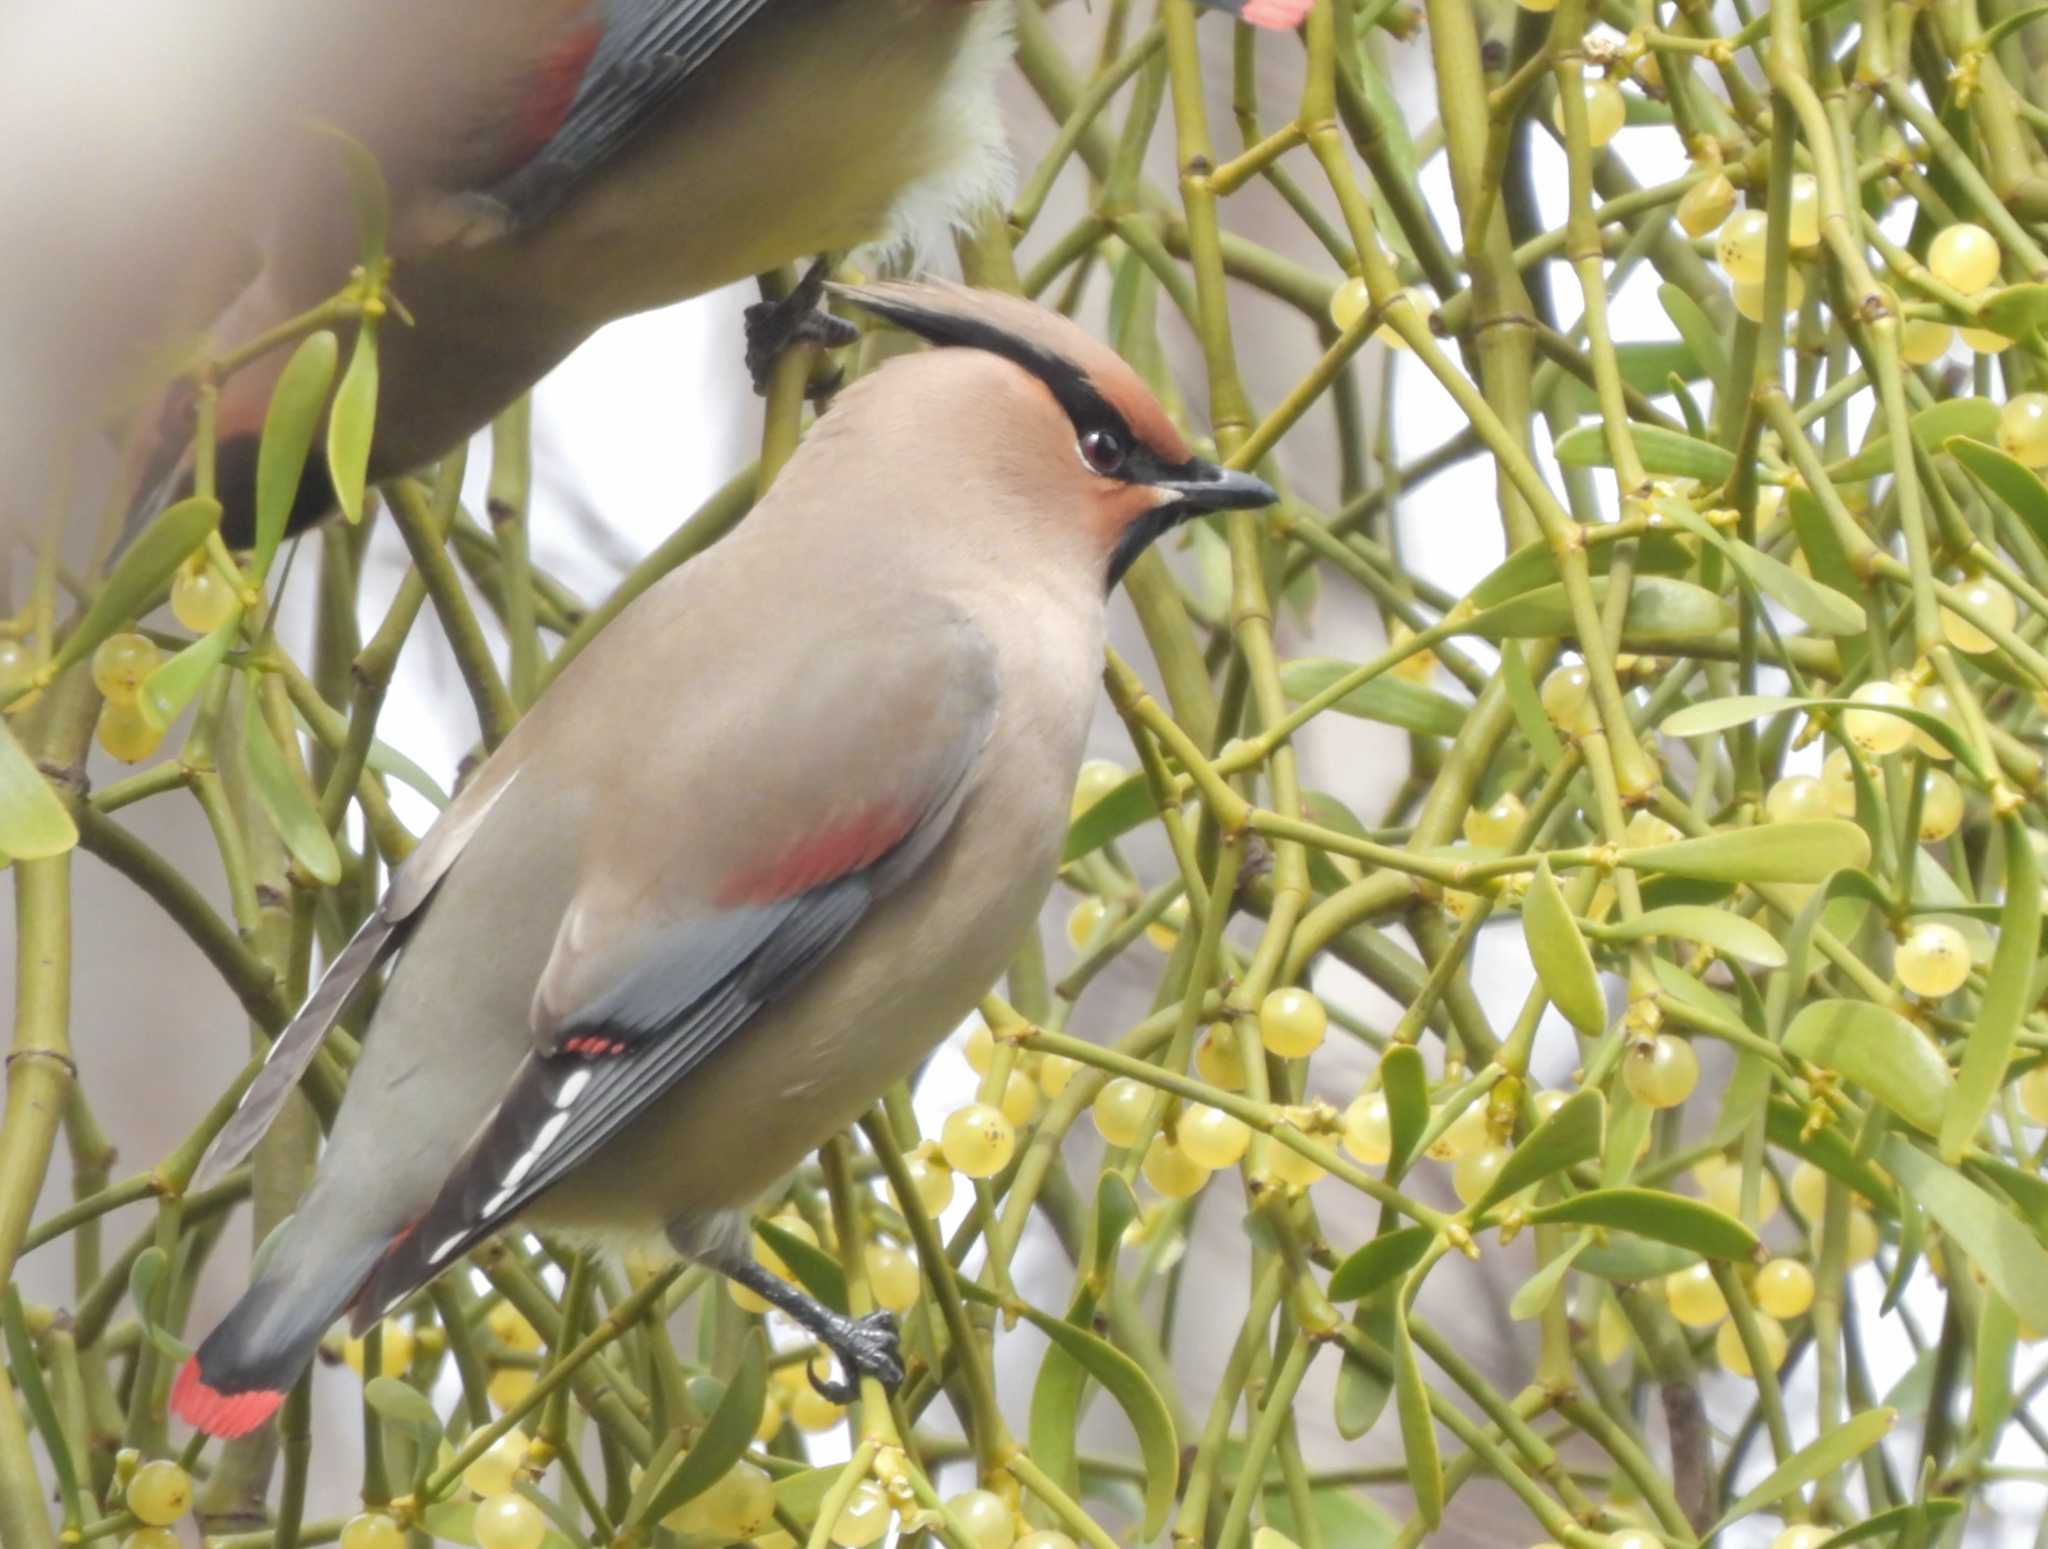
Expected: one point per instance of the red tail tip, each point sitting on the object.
(1279, 15)
(215, 1412)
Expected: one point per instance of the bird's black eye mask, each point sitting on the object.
(1103, 438)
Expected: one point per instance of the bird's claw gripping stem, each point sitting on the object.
(866, 1347)
(774, 326)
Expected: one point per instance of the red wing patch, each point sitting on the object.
(217, 1413)
(818, 858)
(593, 1046)
(552, 91)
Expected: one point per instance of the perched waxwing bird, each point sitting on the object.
(754, 852)
(556, 164)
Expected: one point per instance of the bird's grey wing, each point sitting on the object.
(616, 1028)
(644, 59)
(380, 936)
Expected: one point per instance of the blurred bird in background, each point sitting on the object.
(556, 164)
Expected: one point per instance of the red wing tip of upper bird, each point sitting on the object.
(214, 1412)
(1279, 15)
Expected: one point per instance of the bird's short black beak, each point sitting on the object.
(1199, 486)
(1191, 488)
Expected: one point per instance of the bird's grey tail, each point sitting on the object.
(244, 1368)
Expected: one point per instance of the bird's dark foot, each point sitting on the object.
(775, 326)
(866, 1347)
(870, 1347)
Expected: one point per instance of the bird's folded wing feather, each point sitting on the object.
(645, 57)
(380, 935)
(676, 938)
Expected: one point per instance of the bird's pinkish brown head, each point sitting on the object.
(1092, 429)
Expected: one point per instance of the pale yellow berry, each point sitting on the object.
(977, 1140)
(1291, 1023)
(769, 1426)
(1548, 1102)
(1784, 1288)
(1349, 302)
(493, 1473)
(1706, 204)
(1606, 110)
(371, 1530)
(810, 1411)
(1567, 697)
(1720, 1182)
(1802, 1535)
(1989, 598)
(1984, 341)
(766, 1256)
(863, 1519)
(121, 663)
(987, 1517)
(509, 1522)
(1368, 1134)
(159, 1493)
(2023, 429)
(1837, 776)
(2033, 1094)
(395, 1355)
(1934, 959)
(893, 1276)
(509, 1327)
(1695, 1299)
(1219, 1060)
(1660, 1072)
(979, 1047)
(1086, 922)
(1020, 1098)
(202, 599)
(1803, 210)
(1120, 1109)
(1646, 829)
(1634, 1538)
(125, 732)
(1164, 932)
(1610, 1332)
(509, 1386)
(932, 1182)
(1809, 1186)
(1924, 340)
(1474, 1174)
(1861, 1238)
(1734, 1354)
(1212, 1138)
(738, 1505)
(152, 1538)
(1054, 1072)
(1496, 825)
(1749, 299)
(1963, 257)
(1740, 246)
(1471, 1131)
(1292, 1168)
(1933, 699)
(1797, 798)
(1941, 806)
(1045, 1538)
(1877, 731)
(1097, 779)
(1172, 1171)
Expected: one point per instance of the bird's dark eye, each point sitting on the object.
(1103, 451)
